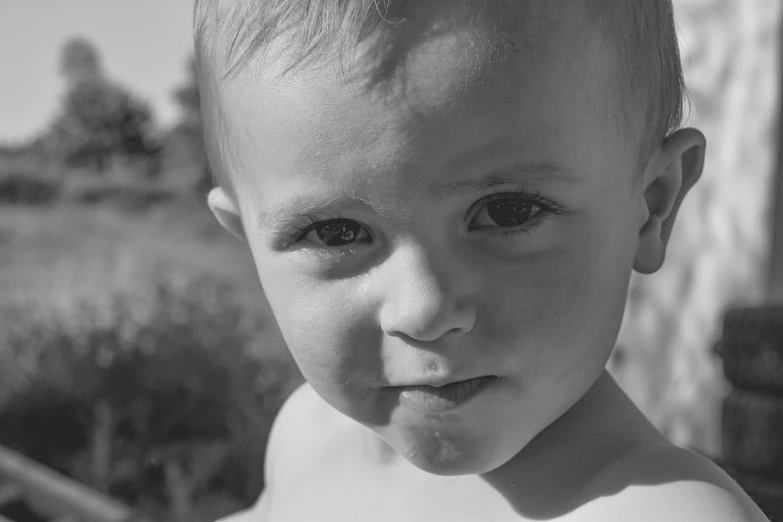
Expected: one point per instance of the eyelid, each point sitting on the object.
(548, 209)
(534, 197)
(303, 232)
(300, 232)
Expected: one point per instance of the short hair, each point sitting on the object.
(642, 34)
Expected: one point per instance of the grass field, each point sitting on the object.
(53, 258)
(59, 257)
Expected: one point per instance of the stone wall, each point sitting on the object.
(719, 247)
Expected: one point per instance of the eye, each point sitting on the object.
(513, 211)
(334, 232)
(506, 213)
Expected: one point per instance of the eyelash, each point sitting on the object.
(547, 209)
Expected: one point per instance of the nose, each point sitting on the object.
(424, 301)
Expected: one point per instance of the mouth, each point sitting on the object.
(443, 397)
(440, 383)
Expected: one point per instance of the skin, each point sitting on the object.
(430, 286)
(425, 294)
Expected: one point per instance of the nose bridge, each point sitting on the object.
(422, 277)
(425, 295)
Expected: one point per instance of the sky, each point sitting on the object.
(144, 45)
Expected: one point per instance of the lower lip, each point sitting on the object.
(443, 398)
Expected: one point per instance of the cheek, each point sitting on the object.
(326, 326)
(562, 312)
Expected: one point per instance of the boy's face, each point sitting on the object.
(478, 222)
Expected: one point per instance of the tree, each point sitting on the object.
(79, 61)
(98, 119)
(185, 142)
(188, 95)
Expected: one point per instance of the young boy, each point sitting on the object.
(445, 200)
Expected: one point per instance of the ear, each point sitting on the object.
(674, 169)
(226, 212)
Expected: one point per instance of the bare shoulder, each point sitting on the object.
(302, 423)
(301, 428)
(301, 410)
(248, 515)
(667, 483)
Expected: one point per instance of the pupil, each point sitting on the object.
(338, 232)
(509, 213)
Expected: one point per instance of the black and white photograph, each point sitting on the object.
(391, 260)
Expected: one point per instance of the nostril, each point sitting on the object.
(426, 339)
(422, 304)
(618, 357)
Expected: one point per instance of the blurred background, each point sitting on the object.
(138, 356)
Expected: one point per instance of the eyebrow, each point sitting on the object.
(538, 174)
(299, 208)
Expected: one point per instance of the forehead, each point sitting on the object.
(457, 94)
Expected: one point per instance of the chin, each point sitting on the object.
(447, 455)
(450, 468)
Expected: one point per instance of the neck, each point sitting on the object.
(602, 426)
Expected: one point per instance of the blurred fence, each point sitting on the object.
(28, 490)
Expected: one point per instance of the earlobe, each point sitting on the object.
(226, 212)
(650, 252)
(675, 168)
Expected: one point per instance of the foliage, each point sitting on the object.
(23, 188)
(98, 119)
(80, 61)
(187, 95)
(126, 197)
(184, 143)
(157, 408)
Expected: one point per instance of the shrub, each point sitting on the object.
(98, 121)
(130, 198)
(27, 189)
(154, 405)
(183, 148)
